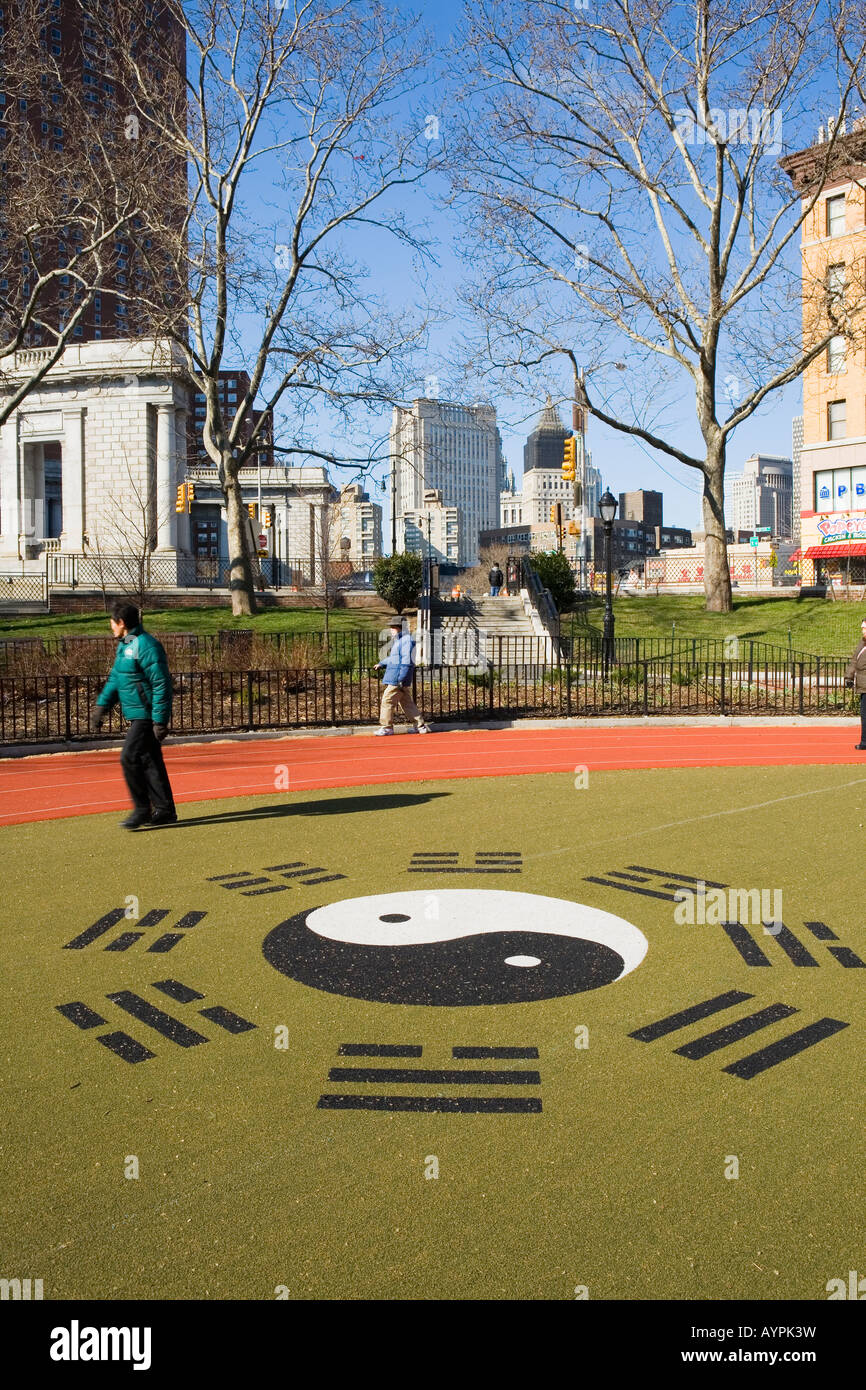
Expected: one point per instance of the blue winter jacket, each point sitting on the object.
(398, 668)
(139, 679)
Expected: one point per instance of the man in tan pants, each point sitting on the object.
(398, 682)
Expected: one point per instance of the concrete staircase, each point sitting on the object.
(514, 634)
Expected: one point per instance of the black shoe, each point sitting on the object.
(861, 746)
(164, 818)
(135, 820)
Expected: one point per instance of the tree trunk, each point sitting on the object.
(241, 586)
(717, 575)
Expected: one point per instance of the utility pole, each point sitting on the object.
(578, 420)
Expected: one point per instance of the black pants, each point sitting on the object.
(863, 718)
(144, 769)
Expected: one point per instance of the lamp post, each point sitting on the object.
(607, 510)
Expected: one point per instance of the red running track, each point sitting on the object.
(55, 785)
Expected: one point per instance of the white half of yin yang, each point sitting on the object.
(449, 913)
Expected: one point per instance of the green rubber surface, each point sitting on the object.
(247, 1187)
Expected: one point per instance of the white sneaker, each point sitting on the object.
(422, 730)
(380, 732)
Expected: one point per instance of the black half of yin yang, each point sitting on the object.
(467, 970)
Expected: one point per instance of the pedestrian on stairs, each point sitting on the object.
(496, 577)
(398, 681)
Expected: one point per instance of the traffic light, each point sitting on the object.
(251, 508)
(569, 459)
(190, 492)
(556, 514)
(180, 504)
(553, 512)
(266, 517)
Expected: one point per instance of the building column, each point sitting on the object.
(184, 529)
(10, 505)
(72, 480)
(165, 473)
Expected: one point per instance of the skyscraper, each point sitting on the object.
(762, 496)
(452, 449)
(76, 153)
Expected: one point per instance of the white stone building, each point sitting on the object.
(432, 530)
(91, 459)
(358, 528)
(763, 496)
(298, 518)
(453, 449)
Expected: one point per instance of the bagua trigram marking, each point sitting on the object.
(247, 883)
(666, 884)
(402, 1076)
(446, 861)
(791, 945)
(128, 938)
(128, 1048)
(754, 1062)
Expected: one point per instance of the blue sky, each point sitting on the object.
(625, 463)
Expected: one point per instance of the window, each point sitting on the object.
(836, 354)
(836, 215)
(841, 489)
(836, 416)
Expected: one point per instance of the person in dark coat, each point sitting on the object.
(495, 576)
(856, 676)
(140, 683)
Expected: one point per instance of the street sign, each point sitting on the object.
(755, 540)
(263, 541)
(763, 528)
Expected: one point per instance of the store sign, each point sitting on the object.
(849, 526)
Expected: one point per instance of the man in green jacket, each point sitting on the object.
(140, 683)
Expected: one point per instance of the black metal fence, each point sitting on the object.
(58, 708)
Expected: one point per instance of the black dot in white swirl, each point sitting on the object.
(455, 947)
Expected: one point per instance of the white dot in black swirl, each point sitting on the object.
(455, 947)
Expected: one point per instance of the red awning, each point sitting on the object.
(797, 555)
(847, 550)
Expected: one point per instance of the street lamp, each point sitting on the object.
(607, 510)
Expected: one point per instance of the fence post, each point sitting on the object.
(249, 700)
(646, 687)
(67, 705)
(332, 683)
(801, 665)
(723, 687)
(490, 691)
(568, 688)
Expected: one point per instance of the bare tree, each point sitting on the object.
(122, 548)
(302, 107)
(619, 164)
(77, 178)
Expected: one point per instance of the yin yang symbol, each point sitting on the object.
(455, 947)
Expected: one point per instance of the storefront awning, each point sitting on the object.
(844, 551)
(797, 555)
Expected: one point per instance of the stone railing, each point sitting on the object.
(29, 358)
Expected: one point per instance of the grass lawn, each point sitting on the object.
(819, 626)
(197, 620)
